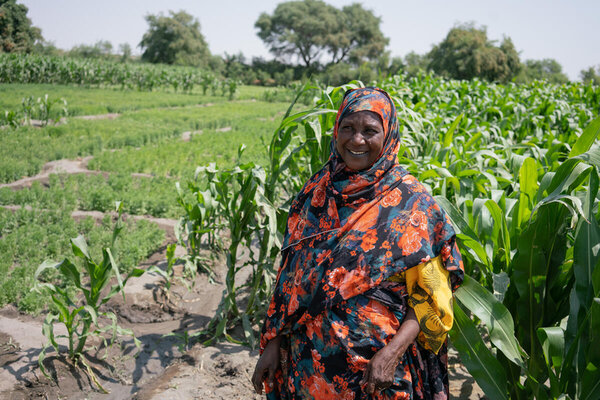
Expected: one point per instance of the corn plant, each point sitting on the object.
(10, 119)
(41, 108)
(167, 274)
(200, 222)
(237, 196)
(26, 68)
(80, 313)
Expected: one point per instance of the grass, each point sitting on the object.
(153, 196)
(28, 237)
(25, 150)
(93, 100)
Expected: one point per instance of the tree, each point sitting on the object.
(467, 53)
(416, 63)
(591, 75)
(310, 29)
(174, 39)
(100, 49)
(547, 69)
(358, 36)
(125, 51)
(16, 32)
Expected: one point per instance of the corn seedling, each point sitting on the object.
(80, 313)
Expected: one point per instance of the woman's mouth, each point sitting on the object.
(357, 153)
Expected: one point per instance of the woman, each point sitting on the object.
(363, 298)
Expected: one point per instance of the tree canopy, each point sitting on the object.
(547, 69)
(16, 32)
(590, 75)
(314, 31)
(174, 39)
(467, 53)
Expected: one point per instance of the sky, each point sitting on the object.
(568, 31)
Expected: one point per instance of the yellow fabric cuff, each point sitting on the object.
(430, 296)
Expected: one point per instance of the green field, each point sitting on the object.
(145, 138)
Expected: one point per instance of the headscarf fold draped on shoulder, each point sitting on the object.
(348, 231)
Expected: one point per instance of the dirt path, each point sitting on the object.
(78, 166)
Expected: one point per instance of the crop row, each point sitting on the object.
(25, 150)
(19, 68)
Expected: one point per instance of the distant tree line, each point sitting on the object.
(308, 38)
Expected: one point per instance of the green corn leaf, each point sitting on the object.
(93, 313)
(80, 247)
(450, 134)
(248, 332)
(587, 245)
(528, 177)
(481, 364)
(70, 271)
(48, 264)
(500, 221)
(48, 329)
(590, 383)
(494, 315)
(553, 345)
(461, 225)
(116, 271)
(587, 138)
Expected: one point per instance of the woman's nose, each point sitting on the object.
(357, 137)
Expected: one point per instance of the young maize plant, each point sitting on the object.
(80, 314)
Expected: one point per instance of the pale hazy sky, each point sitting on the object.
(568, 31)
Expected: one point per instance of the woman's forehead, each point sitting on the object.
(365, 116)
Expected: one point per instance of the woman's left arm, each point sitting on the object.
(379, 373)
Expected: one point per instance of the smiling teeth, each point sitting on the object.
(357, 153)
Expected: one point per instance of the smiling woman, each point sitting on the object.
(362, 302)
(360, 139)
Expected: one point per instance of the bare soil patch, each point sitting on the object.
(78, 166)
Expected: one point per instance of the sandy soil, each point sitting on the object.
(78, 166)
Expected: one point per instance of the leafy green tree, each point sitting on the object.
(312, 29)
(358, 37)
(100, 49)
(174, 39)
(125, 51)
(16, 32)
(591, 74)
(415, 63)
(467, 53)
(547, 69)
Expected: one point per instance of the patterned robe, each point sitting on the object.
(341, 291)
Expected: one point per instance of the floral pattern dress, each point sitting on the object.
(359, 249)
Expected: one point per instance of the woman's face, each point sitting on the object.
(360, 139)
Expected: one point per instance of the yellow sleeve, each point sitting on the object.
(430, 295)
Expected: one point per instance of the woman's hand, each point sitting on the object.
(267, 365)
(379, 373)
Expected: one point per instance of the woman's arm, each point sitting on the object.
(379, 373)
(267, 364)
